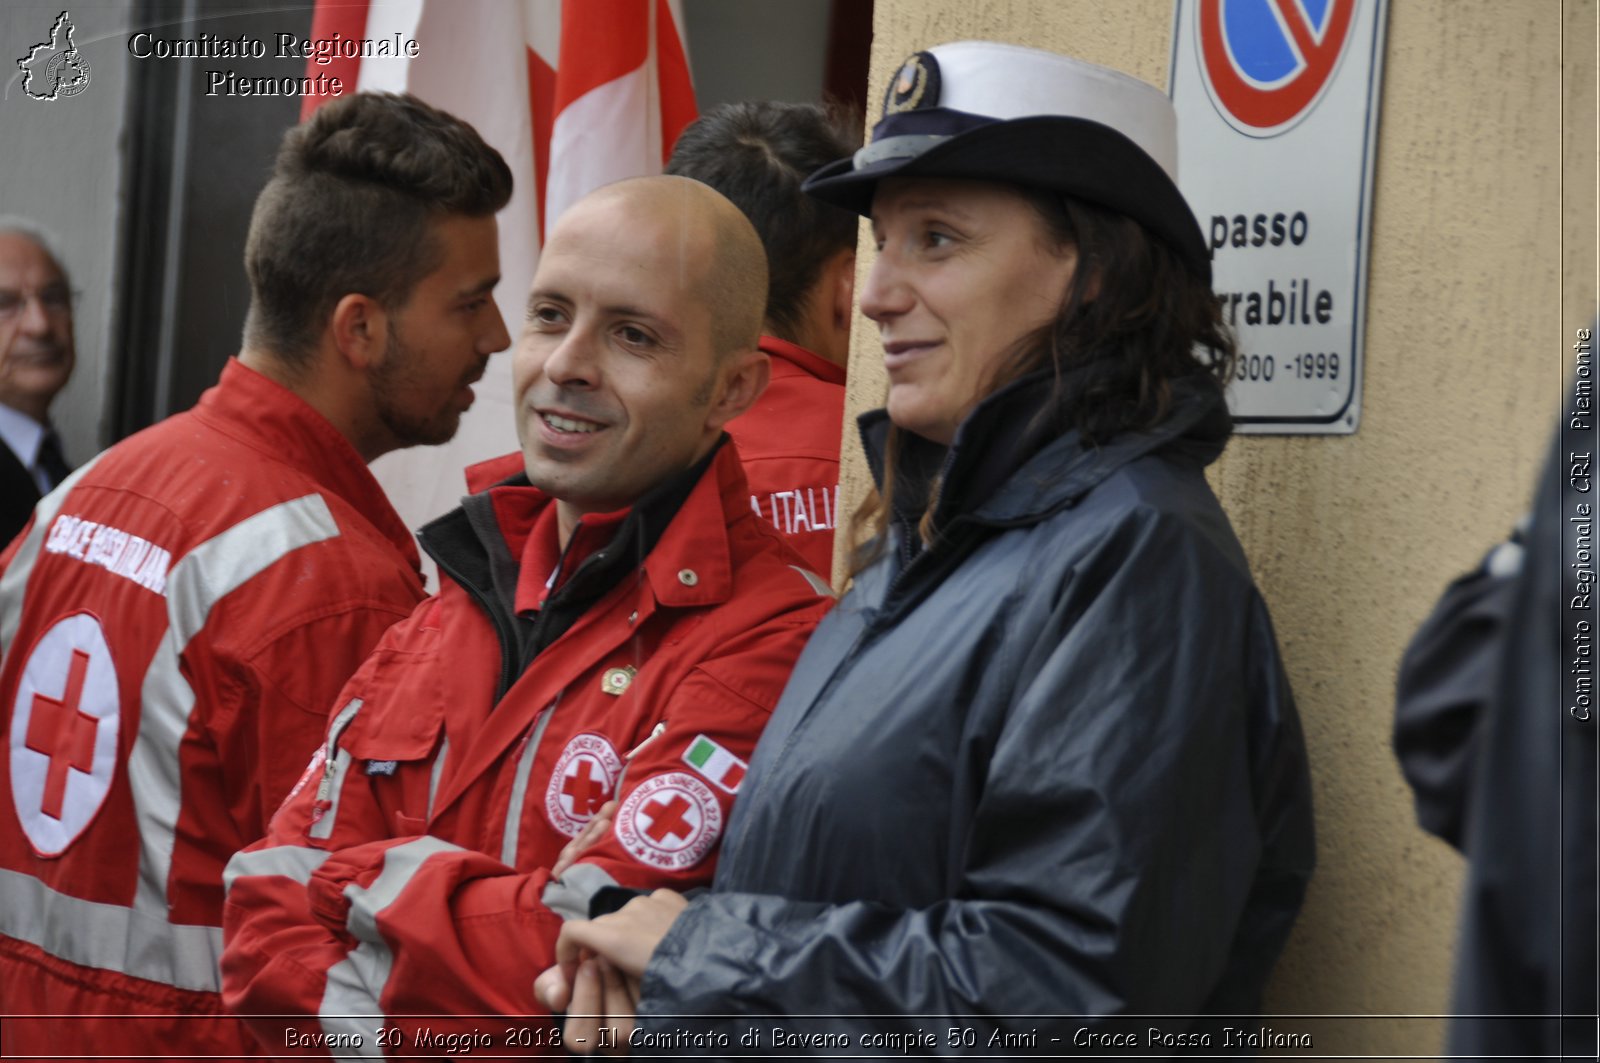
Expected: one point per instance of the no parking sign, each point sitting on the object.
(1277, 130)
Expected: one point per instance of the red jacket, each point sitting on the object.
(790, 442)
(174, 625)
(408, 872)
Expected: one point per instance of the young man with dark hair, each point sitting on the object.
(614, 625)
(757, 154)
(177, 618)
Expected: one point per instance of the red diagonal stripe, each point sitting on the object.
(347, 18)
(542, 109)
(677, 88)
(600, 41)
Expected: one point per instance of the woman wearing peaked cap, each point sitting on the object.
(1042, 759)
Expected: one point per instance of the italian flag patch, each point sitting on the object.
(715, 763)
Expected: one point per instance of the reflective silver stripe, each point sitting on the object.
(203, 577)
(15, 582)
(400, 865)
(108, 936)
(569, 895)
(355, 984)
(815, 582)
(334, 767)
(437, 773)
(285, 861)
(902, 147)
(347, 1019)
(519, 788)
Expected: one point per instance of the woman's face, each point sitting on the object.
(964, 270)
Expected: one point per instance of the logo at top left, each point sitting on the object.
(54, 69)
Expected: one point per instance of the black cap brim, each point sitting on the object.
(1075, 156)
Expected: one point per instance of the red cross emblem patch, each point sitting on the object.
(584, 778)
(670, 821)
(64, 725)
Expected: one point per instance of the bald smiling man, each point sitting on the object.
(615, 624)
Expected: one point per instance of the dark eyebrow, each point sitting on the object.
(938, 204)
(479, 289)
(622, 310)
(541, 294)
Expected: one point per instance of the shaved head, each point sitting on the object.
(721, 260)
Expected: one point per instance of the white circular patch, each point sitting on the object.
(64, 727)
(670, 821)
(584, 778)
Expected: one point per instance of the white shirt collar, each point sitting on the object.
(22, 434)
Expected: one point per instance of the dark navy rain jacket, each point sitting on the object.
(1048, 767)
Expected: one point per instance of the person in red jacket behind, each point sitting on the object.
(614, 624)
(180, 613)
(757, 153)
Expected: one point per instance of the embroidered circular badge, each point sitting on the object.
(916, 86)
(64, 726)
(584, 778)
(670, 821)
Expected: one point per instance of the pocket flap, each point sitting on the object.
(402, 714)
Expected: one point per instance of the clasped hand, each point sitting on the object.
(600, 962)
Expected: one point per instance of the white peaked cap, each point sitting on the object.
(982, 110)
(1008, 81)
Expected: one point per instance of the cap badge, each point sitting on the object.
(915, 86)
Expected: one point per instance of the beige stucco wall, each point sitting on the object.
(1352, 538)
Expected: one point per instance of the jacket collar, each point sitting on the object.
(692, 563)
(1010, 464)
(689, 564)
(269, 418)
(812, 364)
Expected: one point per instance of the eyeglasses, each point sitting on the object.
(55, 299)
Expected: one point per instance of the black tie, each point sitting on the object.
(50, 461)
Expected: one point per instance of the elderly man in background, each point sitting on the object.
(36, 359)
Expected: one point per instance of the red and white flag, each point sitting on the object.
(574, 93)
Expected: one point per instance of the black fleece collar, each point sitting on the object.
(471, 549)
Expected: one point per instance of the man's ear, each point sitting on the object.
(360, 330)
(744, 378)
(842, 287)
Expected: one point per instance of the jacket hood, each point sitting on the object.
(1011, 463)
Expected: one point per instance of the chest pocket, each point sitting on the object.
(397, 742)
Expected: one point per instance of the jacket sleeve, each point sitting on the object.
(671, 811)
(372, 921)
(1146, 787)
(266, 707)
(1448, 677)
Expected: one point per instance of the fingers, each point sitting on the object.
(591, 833)
(626, 938)
(553, 989)
(581, 1034)
(619, 1001)
(601, 1018)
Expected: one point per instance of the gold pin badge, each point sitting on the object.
(616, 680)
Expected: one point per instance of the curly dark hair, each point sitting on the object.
(1134, 319)
(349, 208)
